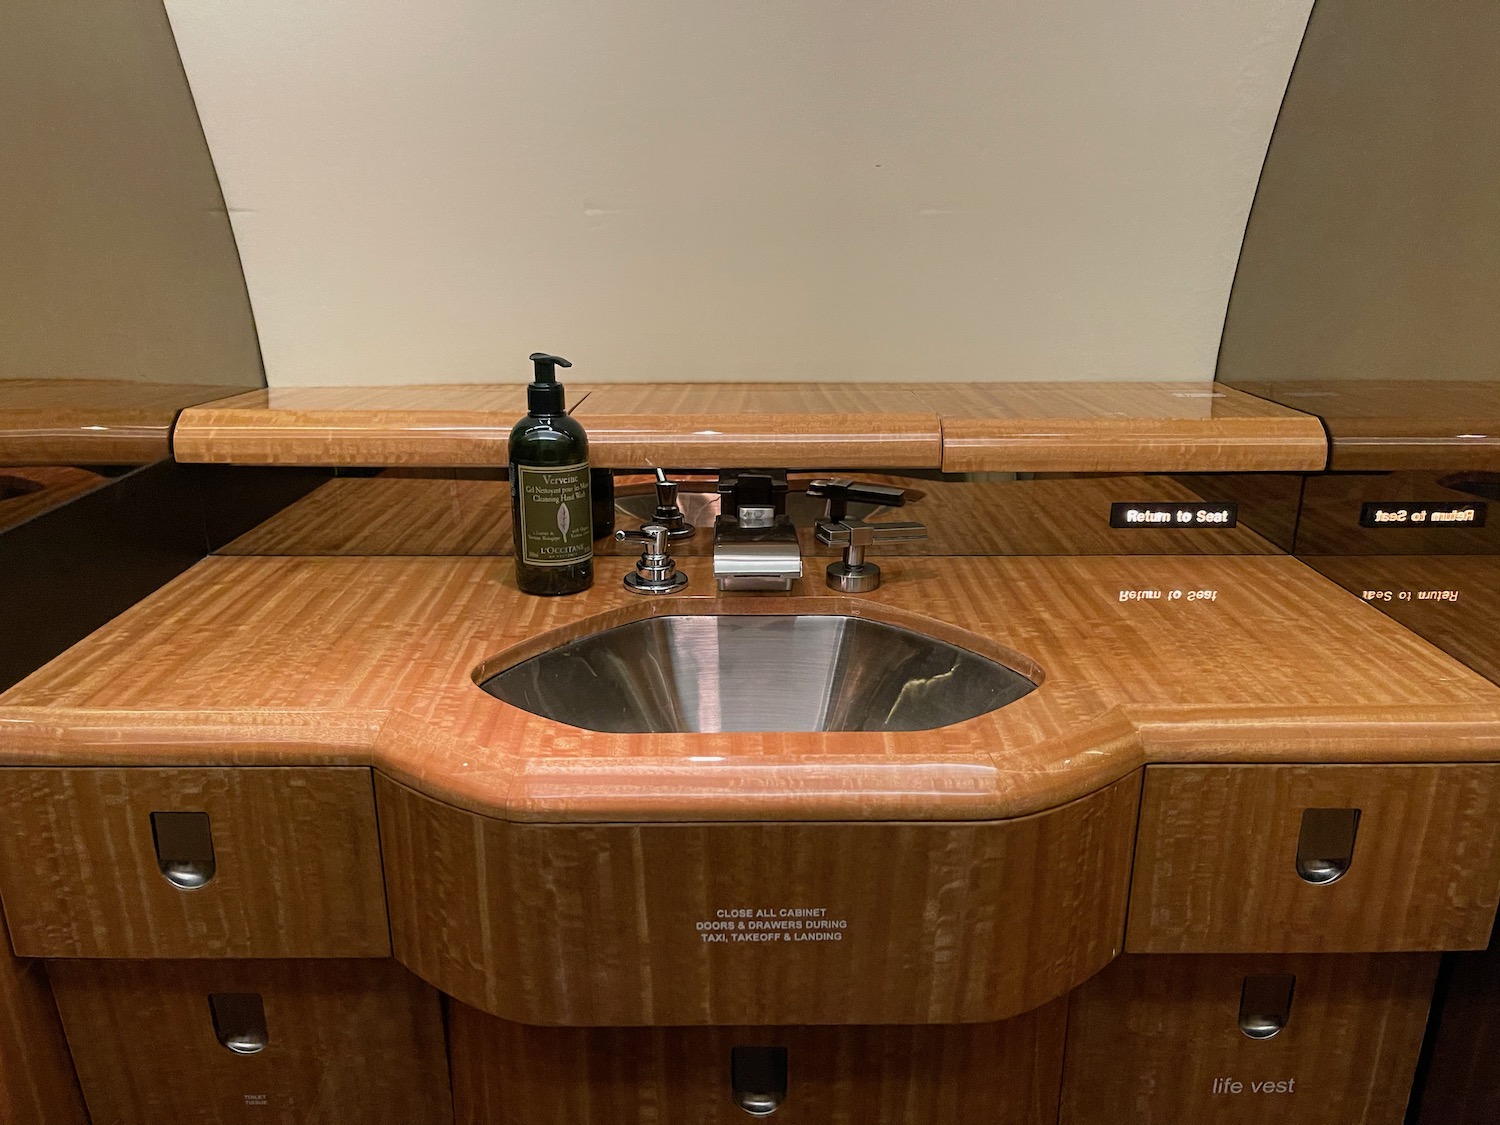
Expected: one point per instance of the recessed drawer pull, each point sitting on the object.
(1325, 846)
(758, 1077)
(184, 848)
(1266, 1004)
(239, 1021)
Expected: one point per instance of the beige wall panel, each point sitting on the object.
(1371, 249)
(674, 190)
(116, 256)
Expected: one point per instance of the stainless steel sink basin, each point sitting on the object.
(758, 673)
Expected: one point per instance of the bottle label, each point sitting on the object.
(555, 513)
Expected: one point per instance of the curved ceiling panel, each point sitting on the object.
(1038, 189)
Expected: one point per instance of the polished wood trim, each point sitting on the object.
(348, 1041)
(370, 661)
(91, 421)
(616, 924)
(960, 427)
(296, 852)
(700, 425)
(1121, 427)
(1148, 1037)
(1005, 1073)
(1215, 863)
(1382, 424)
(790, 426)
(37, 1082)
(400, 425)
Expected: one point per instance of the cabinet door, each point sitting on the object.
(1244, 1040)
(1316, 859)
(135, 863)
(254, 1042)
(757, 923)
(1003, 1073)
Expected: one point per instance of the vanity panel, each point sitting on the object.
(1004, 1073)
(329, 1041)
(638, 924)
(264, 862)
(1157, 1041)
(1217, 860)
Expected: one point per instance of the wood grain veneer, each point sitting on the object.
(1444, 424)
(91, 421)
(1452, 601)
(297, 855)
(399, 425)
(37, 1083)
(1148, 1037)
(605, 924)
(348, 1041)
(1125, 427)
(994, 1073)
(1121, 427)
(696, 425)
(1215, 862)
(729, 425)
(324, 661)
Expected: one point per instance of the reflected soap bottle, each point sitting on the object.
(550, 498)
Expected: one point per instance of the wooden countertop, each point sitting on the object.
(259, 661)
(1451, 600)
(1062, 427)
(1399, 424)
(91, 421)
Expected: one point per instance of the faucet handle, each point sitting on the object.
(840, 492)
(858, 533)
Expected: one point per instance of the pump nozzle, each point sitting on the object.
(545, 395)
(546, 365)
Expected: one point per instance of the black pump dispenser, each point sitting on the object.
(550, 490)
(545, 395)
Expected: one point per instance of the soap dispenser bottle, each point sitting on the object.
(550, 502)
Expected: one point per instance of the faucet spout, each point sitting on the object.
(755, 543)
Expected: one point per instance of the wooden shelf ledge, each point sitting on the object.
(1027, 427)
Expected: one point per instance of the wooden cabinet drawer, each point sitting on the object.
(317, 1041)
(270, 862)
(781, 923)
(1003, 1073)
(1235, 859)
(1157, 1040)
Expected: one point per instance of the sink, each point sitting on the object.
(758, 672)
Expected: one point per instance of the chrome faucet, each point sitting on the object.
(755, 544)
(853, 574)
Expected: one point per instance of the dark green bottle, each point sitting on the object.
(550, 499)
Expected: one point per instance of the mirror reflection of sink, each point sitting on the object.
(758, 672)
